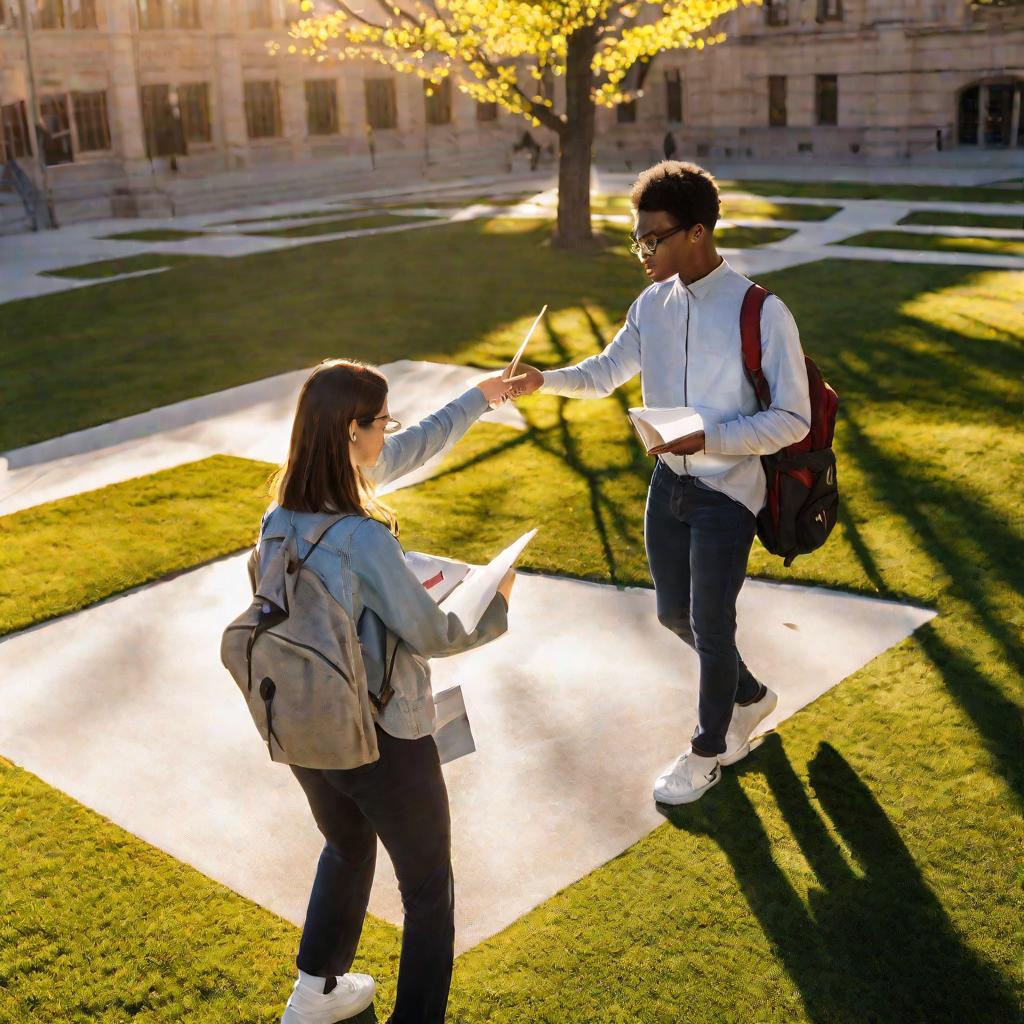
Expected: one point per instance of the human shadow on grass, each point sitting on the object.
(953, 545)
(871, 944)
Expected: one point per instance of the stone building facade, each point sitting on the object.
(156, 106)
(842, 80)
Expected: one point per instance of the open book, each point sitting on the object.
(657, 427)
(467, 590)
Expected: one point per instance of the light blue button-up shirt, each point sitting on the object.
(684, 341)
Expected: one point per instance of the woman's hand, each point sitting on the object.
(496, 389)
(505, 587)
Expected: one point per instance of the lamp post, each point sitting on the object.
(37, 118)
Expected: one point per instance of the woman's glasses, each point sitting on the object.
(391, 426)
(644, 248)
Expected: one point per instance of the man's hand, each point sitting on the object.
(497, 389)
(689, 445)
(533, 380)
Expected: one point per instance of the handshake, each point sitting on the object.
(511, 383)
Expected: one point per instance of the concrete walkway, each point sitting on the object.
(253, 421)
(125, 707)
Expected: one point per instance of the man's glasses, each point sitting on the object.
(645, 248)
(391, 426)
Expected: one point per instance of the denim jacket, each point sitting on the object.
(383, 596)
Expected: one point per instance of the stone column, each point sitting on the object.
(229, 93)
(123, 97)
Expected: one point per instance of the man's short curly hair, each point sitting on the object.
(686, 191)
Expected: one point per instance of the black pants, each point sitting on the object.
(698, 541)
(401, 798)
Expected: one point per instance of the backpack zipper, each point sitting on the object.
(305, 647)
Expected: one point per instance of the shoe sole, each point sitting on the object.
(690, 798)
(335, 1020)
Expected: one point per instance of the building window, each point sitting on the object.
(83, 14)
(826, 99)
(47, 14)
(381, 103)
(161, 123)
(625, 113)
(56, 129)
(14, 140)
(776, 12)
(261, 14)
(194, 107)
(674, 95)
(487, 112)
(777, 101)
(830, 10)
(157, 14)
(262, 110)
(185, 13)
(322, 106)
(438, 100)
(91, 120)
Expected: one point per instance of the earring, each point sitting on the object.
(353, 437)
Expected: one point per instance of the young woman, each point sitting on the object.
(340, 449)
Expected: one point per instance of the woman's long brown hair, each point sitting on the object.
(319, 475)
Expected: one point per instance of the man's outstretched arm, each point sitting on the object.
(596, 377)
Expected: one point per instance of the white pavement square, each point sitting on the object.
(125, 706)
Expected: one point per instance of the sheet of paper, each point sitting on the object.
(452, 732)
(470, 600)
(440, 576)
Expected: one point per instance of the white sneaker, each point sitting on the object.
(353, 995)
(745, 719)
(687, 780)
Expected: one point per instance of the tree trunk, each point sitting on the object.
(577, 141)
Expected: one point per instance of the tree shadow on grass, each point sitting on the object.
(872, 944)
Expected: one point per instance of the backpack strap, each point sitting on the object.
(317, 536)
(750, 336)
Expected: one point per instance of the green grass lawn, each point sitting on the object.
(863, 190)
(936, 243)
(862, 866)
(744, 238)
(357, 223)
(127, 265)
(950, 218)
(741, 207)
(155, 235)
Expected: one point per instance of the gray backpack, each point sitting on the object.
(294, 653)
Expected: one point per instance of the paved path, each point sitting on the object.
(574, 712)
(253, 421)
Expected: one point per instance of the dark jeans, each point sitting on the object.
(698, 541)
(401, 798)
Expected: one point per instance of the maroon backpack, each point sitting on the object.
(803, 496)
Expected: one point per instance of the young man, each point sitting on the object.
(683, 336)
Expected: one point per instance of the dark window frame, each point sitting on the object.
(92, 120)
(263, 109)
(778, 113)
(15, 140)
(321, 106)
(194, 110)
(437, 102)
(776, 13)
(830, 10)
(674, 95)
(381, 99)
(826, 100)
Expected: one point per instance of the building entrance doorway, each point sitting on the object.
(990, 115)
